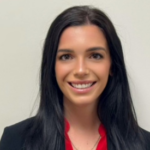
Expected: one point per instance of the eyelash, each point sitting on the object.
(100, 56)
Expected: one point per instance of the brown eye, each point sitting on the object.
(65, 57)
(97, 56)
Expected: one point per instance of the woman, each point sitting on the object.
(85, 97)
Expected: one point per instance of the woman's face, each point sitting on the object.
(82, 64)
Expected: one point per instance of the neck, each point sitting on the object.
(83, 117)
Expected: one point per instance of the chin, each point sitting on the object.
(83, 102)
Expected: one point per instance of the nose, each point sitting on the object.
(81, 69)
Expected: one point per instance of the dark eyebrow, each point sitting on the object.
(90, 49)
(96, 48)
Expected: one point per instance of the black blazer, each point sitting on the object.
(13, 137)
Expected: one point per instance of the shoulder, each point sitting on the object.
(13, 136)
(20, 126)
(146, 135)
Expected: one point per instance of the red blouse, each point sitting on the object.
(102, 145)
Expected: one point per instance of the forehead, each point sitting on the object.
(82, 36)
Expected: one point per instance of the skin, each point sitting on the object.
(87, 58)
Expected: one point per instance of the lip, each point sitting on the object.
(82, 91)
(82, 82)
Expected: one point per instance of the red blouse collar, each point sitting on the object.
(102, 145)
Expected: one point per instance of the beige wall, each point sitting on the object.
(23, 27)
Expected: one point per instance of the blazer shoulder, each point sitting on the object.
(20, 126)
(146, 135)
(13, 136)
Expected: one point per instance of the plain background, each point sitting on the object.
(23, 28)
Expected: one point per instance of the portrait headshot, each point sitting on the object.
(74, 75)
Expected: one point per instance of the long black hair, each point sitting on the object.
(115, 108)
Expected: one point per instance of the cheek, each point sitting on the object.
(61, 72)
(103, 71)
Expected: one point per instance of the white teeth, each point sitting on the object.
(81, 86)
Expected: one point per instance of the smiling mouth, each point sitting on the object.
(82, 86)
